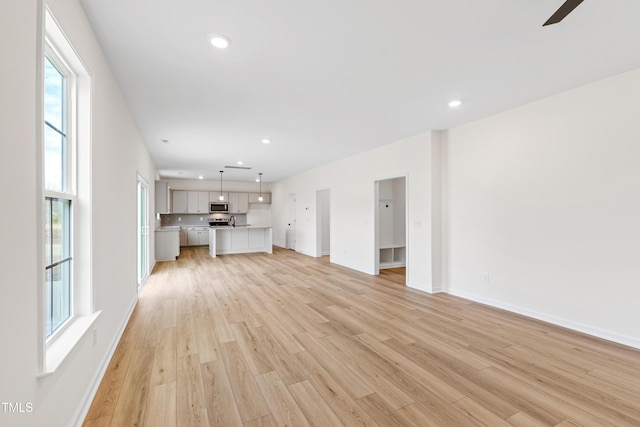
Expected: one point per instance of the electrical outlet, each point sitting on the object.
(485, 277)
(200, 218)
(179, 219)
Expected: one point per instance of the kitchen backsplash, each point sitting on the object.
(259, 214)
(195, 219)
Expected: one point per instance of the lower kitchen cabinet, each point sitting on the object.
(167, 244)
(197, 236)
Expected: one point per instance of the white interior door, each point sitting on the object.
(291, 225)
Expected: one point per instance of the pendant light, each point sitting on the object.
(221, 197)
(260, 198)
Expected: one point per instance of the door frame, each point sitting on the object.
(142, 231)
(320, 222)
(292, 219)
(376, 201)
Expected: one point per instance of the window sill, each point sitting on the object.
(63, 345)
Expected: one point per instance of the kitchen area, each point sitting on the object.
(188, 214)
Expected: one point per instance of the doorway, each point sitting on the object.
(390, 225)
(143, 231)
(291, 225)
(323, 222)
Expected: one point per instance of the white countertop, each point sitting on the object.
(237, 227)
(169, 228)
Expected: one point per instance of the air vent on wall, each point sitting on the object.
(237, 167)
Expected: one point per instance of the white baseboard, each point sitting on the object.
(85, 404)
(565, 323)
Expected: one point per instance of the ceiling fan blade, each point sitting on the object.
(564, 10)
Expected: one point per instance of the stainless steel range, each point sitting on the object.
(218, 221)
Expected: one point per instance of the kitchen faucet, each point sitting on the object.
(232, 220)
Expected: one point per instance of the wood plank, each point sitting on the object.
(106, 397)
(251, 403)
(161, 410)
(344, 406)
(221, 406)
(164, 360)
(191, 406)
(346, 377)
(205, 337)
(134, 394)
(316, 410)
(283, 406)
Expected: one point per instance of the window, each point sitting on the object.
(59, 196)
(65, 298)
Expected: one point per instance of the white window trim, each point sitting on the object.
(54, 350)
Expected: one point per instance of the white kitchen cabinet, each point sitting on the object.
(198, 202)
(179, 201)
(197, 236)
(266, 198)
(214, 196)
(163, 198)
(167, 244)
(238, 203)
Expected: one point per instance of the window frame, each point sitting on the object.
(54, 350)
(69, 175)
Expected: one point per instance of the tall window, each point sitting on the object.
(59, 196)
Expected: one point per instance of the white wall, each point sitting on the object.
(546, 199)
(352, 206)
(118, 155)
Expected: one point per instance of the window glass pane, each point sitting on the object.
(58, 296)
(54, 87)
(54, 160)
(55, 154)
(47, 232)
(60, 230)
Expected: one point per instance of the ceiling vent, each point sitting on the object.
(238, 167)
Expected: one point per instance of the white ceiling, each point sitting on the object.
(331, 78)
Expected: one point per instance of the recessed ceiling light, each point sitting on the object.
(239, 162)
(200, 177)
(220, 41)
(257, 179)
(455, 103)
(266, 141)
(166, 141)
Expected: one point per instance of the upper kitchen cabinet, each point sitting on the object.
(179, 202)
(266, 198)
(238, 203)
(163, 198)
(214, 196)
(198, 202)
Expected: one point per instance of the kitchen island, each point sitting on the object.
(239, 240)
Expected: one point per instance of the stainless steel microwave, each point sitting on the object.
(218, 207)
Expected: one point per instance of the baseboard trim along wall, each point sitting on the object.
(579, 327)
(84, 406)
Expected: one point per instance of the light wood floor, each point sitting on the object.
(286, 339)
